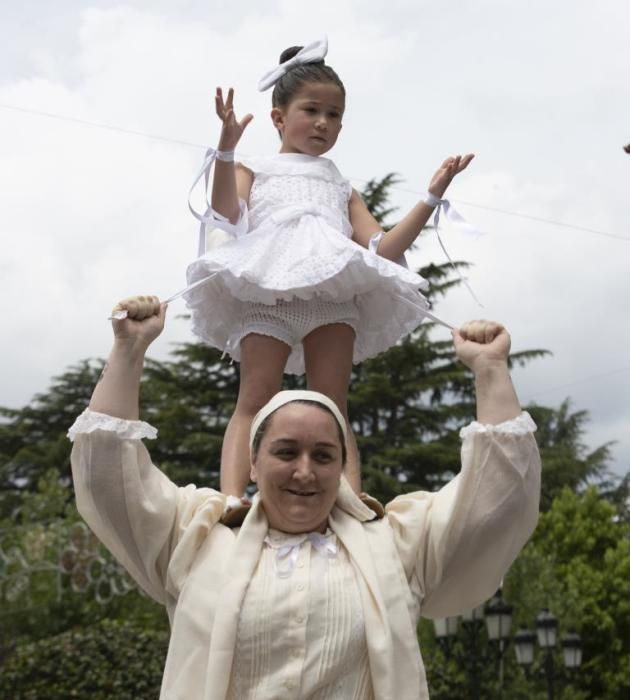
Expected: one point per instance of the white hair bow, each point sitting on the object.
(316, 51)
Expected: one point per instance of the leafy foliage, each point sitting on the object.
(109, 659)
(567, 461)
(578, 565)
(376, 194)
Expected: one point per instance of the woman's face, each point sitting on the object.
(298, 468)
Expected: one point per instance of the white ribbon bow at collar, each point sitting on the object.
(314, 52)
(290, 551)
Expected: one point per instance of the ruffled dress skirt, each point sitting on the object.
(293, 241)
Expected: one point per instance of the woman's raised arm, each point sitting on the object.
(117, 391)
(147, 522)
(457, 544)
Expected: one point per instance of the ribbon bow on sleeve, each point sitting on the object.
(313, 53)
(458, 220)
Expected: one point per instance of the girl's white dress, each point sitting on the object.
(294, 240)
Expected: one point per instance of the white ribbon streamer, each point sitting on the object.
(456, 219)
(205, 218)
(120, 315)
(314, 52)
(287, 554)
(426, 313)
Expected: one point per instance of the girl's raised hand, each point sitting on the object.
(446, 172)
(232, 129)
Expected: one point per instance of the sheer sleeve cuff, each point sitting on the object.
(89, 421)
(373, 248)
(521, 425)
(238, 229)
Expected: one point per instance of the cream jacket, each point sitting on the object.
(433, 554)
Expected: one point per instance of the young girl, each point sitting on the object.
(308, 281)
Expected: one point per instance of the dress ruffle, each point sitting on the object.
(303, 249)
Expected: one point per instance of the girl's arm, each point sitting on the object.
(231, 181)
(400, 238)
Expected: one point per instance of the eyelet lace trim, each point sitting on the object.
(521, 425)
(89, 421)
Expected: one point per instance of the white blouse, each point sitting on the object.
(256, 614)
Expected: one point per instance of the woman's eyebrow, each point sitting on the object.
(291, 443)
(327, 444)
(284, 441)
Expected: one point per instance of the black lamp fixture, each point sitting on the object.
(547, 637)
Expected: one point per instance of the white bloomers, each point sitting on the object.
(291, 321)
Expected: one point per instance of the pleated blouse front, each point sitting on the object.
(301, 630)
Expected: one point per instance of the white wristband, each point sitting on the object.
(225, 156)
(431, 200)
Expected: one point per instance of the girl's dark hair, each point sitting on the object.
(262, 429)
(293, 80)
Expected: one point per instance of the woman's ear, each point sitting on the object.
(252, 472)
(277, 117)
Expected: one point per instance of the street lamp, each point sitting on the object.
(498, 625)
(497, 616)
(445, 627)
(572, 650)
(547, 629)
(524, 642)
(547, 636)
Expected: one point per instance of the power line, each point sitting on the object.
(584, 380)
(100, 125)
(192, 144)
(546, 221)
(519, 215)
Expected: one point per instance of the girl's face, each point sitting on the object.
(298, 468)
(311, 122)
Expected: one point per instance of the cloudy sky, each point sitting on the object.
(537, 90)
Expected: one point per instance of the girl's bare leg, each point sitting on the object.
(263, 359)
(328, 361)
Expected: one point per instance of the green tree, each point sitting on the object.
(578, 566)
(567, 461)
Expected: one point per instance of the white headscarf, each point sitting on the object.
(284, 397)
(347, 499)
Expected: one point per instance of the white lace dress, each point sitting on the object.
(294, 240)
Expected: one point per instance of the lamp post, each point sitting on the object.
(499, 624)
(497, 616)
(547, 636)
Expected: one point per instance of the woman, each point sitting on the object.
(314, 596)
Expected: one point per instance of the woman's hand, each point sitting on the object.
(480, 344)
(232, 129)
(116, 393)
(144, 322)
(446, 172)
